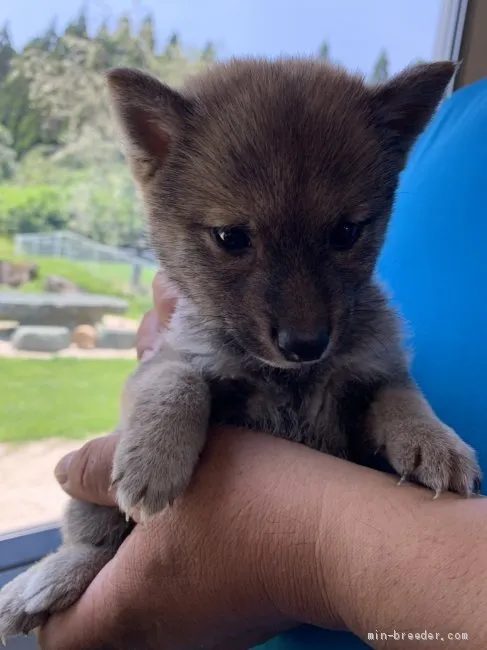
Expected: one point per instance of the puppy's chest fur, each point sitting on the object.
(310, 410)
(322, 406)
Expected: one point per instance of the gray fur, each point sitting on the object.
(288, 149)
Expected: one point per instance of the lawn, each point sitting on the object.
(60, 397)
(102, 278)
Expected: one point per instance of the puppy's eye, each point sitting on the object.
(233, 240)
(345, 234)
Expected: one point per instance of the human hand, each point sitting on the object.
(228, 566)
(157, 319)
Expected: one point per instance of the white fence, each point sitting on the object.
(76, 247)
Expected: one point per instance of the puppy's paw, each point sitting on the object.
(431, 453)
(50, 586)
(14, 619)
(149, 471)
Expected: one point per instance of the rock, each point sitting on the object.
(7, 328)
(84, 337)
(57, 284)
(41, 339)
(15, 274)
(115, 339)
(64, 309)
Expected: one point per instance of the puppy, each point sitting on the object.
(268, 187)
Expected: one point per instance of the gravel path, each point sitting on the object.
(29, 493)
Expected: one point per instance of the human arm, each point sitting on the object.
(271, 534)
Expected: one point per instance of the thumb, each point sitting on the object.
(86, 474)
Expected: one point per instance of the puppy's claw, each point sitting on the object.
(402, 480)
(144, 517)
(437, 494)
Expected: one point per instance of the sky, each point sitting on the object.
(356, 30)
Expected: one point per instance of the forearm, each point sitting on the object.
(271, 534)
(393, 559)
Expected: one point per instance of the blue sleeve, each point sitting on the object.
(435, 265)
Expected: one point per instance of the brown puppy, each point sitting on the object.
(268, 188)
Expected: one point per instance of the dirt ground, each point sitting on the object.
(29, 493)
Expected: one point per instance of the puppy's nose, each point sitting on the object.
(295, 347)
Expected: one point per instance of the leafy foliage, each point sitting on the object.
(58, 146)
(30, 209)
(8, 154)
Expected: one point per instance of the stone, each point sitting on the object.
(84, 337)
(41, 339)
(63, 309)
(57, 284)
(7, 328)
(15, 274)
(115, 339)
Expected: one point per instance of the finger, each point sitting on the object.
(91, 622)
(164, 297)
(86, 474)
(148, 333)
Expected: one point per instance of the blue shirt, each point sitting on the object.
(435, 264)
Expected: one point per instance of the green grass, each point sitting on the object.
(60, 397)
(102, 278)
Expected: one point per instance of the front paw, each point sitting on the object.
(433, 454)
(150, 471)
(50, 586)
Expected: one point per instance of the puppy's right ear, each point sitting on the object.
(150, 115)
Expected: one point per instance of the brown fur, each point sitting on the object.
(293, 152)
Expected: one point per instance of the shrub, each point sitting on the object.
(30, 209)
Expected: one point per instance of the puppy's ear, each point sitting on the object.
(151, 116)
(403, 106)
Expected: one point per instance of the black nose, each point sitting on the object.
(295, 347)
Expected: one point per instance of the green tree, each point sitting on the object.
(31, 209)
(46, 42)
(324, 51)
(208, 54)
(380, 72)
(55, 107)
(173, 47)
(6, 52)
(147, 34)
(79, 26)
(8, 155)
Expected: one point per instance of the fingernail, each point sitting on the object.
(62, 468)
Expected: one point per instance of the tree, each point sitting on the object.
(173, 47)
(6, 52)
(46, 42)
(8, 156)
(54, 103)
(380, 72)
(209, 54)
(147, 33)
(79, 26)
(324, 51)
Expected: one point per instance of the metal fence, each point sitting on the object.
(78, 248)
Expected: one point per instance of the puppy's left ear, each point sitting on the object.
(151, 117)
(403, 106)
